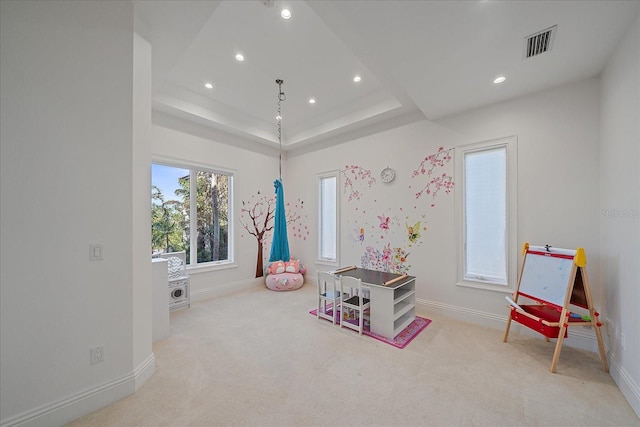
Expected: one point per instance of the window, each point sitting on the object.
(205, 236)
(328, 217)
(486, 207)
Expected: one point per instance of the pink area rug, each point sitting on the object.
(402, 339)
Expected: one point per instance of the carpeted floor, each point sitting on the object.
(257, 358)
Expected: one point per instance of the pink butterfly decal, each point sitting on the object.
(384, 222)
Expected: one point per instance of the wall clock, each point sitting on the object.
(387, 175)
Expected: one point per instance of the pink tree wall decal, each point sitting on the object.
(256, 217)
(353, 173)
(436, 183)
(259, 222)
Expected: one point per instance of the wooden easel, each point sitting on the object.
(555, 279)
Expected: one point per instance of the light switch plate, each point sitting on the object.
(95, 252)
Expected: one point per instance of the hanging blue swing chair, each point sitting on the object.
(280, 241)
(284, 273)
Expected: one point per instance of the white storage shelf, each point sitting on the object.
(404, 307)
(401, 308)
(392, 310)
(402, 294)
(404, 321)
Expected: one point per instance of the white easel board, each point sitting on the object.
(546, 274)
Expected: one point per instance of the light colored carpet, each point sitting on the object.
(257, 358)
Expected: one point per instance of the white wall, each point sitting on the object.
(620, 212)
(182, 142)
(66, 182)
(141, 216)
(558, 136)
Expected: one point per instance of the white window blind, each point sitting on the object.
(485, 215)
(328, 218)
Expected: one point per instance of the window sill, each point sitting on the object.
(486, 286)
(330, 263)
(206, 268)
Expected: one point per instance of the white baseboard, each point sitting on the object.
(83, 403)
(582, 338)
(143, 372)
(461, 313)
(629, 388)
(227, 288)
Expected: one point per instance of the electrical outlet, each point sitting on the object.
(97, 354)
(623, 341)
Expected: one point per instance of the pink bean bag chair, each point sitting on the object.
(285, 275)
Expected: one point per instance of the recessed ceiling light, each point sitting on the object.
(312, 100)
(239, 57)
(499, 79)
(208, 85)
(357, 79)
(286, 13)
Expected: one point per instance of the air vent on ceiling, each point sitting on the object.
(540, 42)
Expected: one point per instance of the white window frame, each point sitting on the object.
(193, 167)
(324, 260)
(510, 143)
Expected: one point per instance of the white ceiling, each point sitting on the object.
(417, 59)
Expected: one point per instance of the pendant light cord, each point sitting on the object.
(281, 97)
